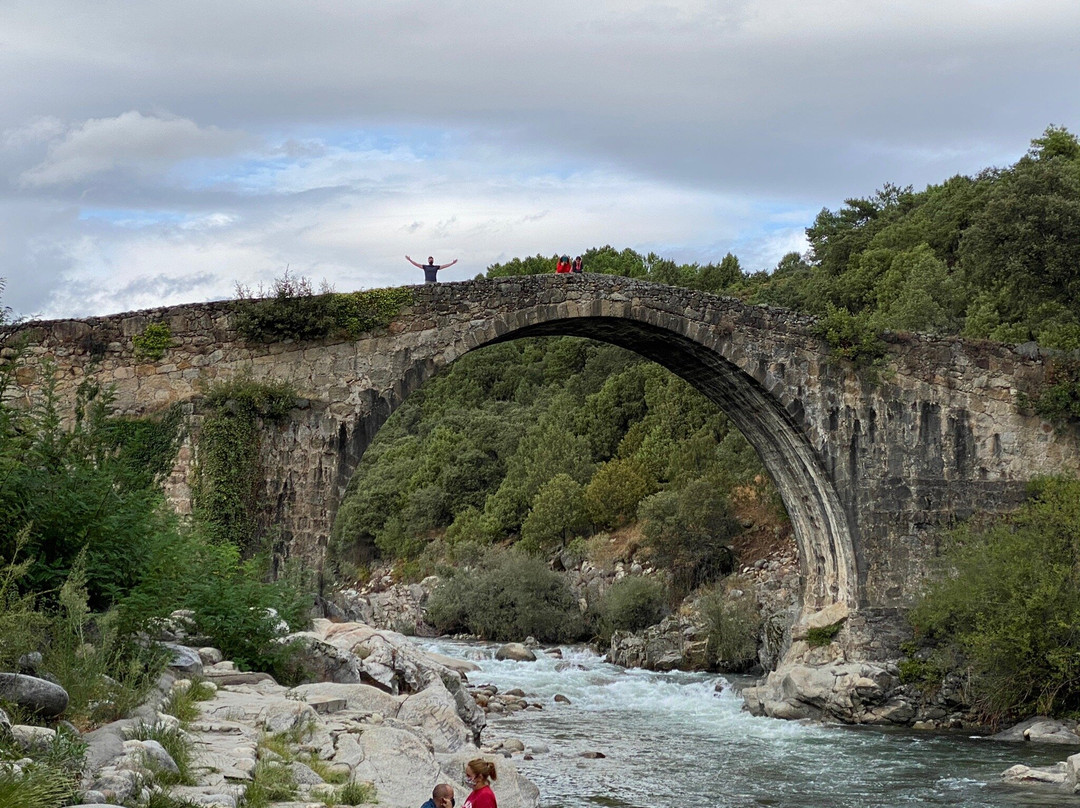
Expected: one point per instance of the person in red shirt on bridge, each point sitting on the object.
(563, 267)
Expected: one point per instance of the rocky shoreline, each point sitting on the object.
(387, 718)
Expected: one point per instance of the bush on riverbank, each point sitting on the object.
(1008, 605)
(630, 604)
(507, 596)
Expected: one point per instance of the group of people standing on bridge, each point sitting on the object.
(563, 266)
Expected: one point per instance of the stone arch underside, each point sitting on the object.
(824, 537)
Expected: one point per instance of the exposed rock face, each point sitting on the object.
(36, 695)
(852, 693)
(355, 653)
(675, 643)
(1041, 729)
(385, 605)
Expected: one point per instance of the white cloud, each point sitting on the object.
(337, 137)
(131, 141)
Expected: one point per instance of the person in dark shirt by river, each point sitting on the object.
(441, 797)
(430, 268)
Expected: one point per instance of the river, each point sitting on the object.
(671, 740)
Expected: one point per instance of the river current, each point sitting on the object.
(671, 740)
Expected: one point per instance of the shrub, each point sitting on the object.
(271, 782)
(355, 794)
(631, 604)
(850, 336)
(511, 596)
(1007, 603)
(181, 701)
(152, 343)
(821, 636)
(733, 628)
(1059, 399)
(106, 678)
(295, 312)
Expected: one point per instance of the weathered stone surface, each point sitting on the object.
(184, 660)
(32, 738)
(1025, 775)
(1041, 729)
(866, 468)
(434, 712)
(36, 695)
(515, 651)
(388, 660)
(852, 693)
(357, 697)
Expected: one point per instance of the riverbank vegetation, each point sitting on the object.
(91, 557)
(1006, 609)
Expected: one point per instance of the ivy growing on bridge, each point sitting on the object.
(1059, 399)
(228, 472)
(152, 343)
(294, 311)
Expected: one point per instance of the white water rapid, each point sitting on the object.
(670, 740)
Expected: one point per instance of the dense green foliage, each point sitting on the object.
(294, 311)
(690, 532)
(1059, 400)
(733, 624)
(90, 555)
(603, 430)
(507, 596)
(80, 489)
(1007, 607)
(996, 255)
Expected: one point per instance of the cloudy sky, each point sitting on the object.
(162, 152)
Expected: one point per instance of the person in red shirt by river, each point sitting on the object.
(479, 774)
(563, 266)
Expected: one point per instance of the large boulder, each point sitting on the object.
(387, 660)
(848, 692)
(515, 651)
(183, 659)
(675, 643)
(1041, 729)
(434, 713)
(35, 695)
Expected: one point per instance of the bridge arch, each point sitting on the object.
(767, 413)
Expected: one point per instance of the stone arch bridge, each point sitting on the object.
(867, 467)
